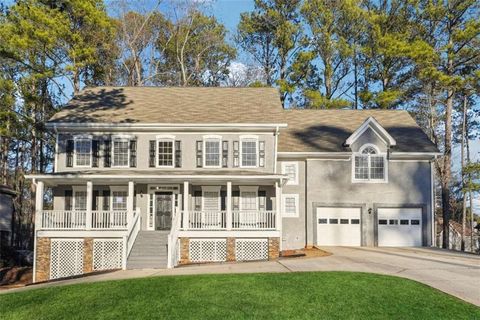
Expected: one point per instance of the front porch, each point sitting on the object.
(201, 220)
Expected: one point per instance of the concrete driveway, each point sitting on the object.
(454, 273)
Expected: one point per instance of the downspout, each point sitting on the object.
(277, 132)
(306, 203)
(34, 182)
(432, 204)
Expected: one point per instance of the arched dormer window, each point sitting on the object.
(369, 165)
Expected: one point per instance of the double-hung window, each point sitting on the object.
(290, 205)
(83, 152)
(290, 169)
(212, 154)
(80, 200)
(165, 153)
(119, 200)
(121, 152)
(249, 152)
(370, 165)
(248, 198)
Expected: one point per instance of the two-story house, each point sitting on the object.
(156, 177)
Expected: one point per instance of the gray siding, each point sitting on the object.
(294, 229)
(329, 184)
(188, 150)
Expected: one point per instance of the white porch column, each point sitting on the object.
(229, 205)
(88, 218)
(130, 196)
(278, 206)
(38, 222)
(38, 204)
(185, 204)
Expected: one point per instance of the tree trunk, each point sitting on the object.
(464, 194)
(446, 170)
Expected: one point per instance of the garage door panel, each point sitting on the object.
(338, 226)
(399, 227)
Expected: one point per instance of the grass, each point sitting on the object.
(316, 295)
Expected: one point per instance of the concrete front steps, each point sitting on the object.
(149, 251)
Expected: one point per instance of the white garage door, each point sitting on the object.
(338, 226)
(399, 227)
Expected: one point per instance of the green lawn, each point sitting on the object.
(330, 295)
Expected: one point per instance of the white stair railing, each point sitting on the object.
(131, 236)
(173, 246)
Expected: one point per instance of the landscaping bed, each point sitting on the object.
(315, 295)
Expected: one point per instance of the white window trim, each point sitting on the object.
(248, 137)
(76, 189)
(212, 138)
(297, 205)
(121, 138)
(168, 138)
(248, 189)
(287, 163)
(116, 188)
(211, 189)
(75, 140)
(385, 165)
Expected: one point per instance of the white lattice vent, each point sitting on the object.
(107, 254)
(208, 250)
(251, 249)
(66, 258)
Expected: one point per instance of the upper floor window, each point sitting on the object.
(212, 154)
(249, 152)
(83, 152)
(370, 164)
(291, 170)
(120, 152)
(165, 153)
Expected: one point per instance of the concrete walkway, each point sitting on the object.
(454, 273)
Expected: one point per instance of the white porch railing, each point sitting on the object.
(207, 220)
(253, 220)
(61, 219)
(109, 220)
(133, 231)
(173, 247)
(77, 220)
(241, 220)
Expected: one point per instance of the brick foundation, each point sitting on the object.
(273, 248)
(87, 255)
(184, 251)
(42, 263)
(230, 249)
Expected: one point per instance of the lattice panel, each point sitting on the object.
(208, 250)
(66, 258)
(107, 254)
(251, 249)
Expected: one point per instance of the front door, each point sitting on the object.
(163, 210)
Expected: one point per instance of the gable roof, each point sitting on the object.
(376, 127)
(327, 130)
(307, 131)
(171, 105)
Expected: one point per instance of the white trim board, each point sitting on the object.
(372, 124)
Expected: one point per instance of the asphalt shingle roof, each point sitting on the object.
(307, 131)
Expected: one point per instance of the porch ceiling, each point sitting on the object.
(204, 177)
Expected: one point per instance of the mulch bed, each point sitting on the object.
(14, 277)
(313, 252)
